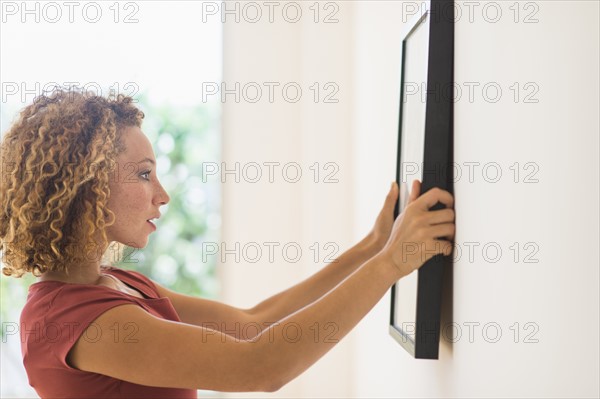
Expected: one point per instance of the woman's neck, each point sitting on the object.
(79, 275)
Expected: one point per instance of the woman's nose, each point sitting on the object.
(163, 196)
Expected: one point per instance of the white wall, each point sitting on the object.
(303, 132)
(558, 214)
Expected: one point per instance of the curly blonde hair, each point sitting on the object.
(56, 160)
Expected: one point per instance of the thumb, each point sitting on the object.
(392, 196)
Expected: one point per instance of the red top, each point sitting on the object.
(55, 316)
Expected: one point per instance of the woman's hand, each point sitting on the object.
(379, 235)
(418, 234)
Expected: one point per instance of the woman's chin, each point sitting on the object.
(139, 243)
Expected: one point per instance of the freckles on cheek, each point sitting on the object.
(124, 198)
(134, 196)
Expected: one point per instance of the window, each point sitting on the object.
(160, 53)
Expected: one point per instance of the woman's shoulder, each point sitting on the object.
(51, 299)
(48, 300)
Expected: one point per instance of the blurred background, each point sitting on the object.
(142, 50)
(275, 128)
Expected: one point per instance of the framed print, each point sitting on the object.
(425, 147)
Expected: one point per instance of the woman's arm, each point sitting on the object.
(169, 354)
(300, 295)
(306, 292)
(231, 320)
(162, 353)
(417, 235)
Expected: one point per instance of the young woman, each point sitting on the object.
(78, 173)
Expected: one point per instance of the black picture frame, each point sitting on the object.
(424, 338)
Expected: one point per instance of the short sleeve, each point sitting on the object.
(58, 314)
(73, 310)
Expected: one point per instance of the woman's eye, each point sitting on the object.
(146, 173)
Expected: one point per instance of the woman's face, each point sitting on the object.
(135, 192)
